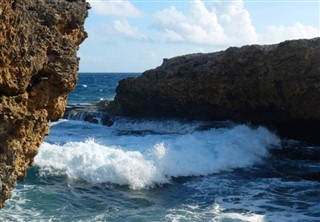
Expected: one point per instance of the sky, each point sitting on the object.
(134, 36)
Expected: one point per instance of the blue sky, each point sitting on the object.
(133, 36)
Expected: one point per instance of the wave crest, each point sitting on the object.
(195, 154)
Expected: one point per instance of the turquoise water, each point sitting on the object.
(164, 170)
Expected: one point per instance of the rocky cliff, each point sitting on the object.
(38, 68)
(274, 85)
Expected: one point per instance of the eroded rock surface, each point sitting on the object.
(274, 85)
(38, 68)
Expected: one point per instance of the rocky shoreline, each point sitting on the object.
(93, 113)
(277, 86)
(251, 84)
(291, 150)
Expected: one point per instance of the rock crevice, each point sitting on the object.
(38, 68)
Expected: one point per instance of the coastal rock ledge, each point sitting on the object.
(38, 68)
(274, 85)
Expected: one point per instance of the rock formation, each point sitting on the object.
(95, 113)
(38, 68)
(274, 85)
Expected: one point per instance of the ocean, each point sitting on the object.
(164, 170)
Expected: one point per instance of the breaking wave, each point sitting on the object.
(151, 160)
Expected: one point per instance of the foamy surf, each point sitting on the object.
(154, 160)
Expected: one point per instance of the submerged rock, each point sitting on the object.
(90, 113)
(38, 68)
(274, 85)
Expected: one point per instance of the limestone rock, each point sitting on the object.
(274, 85)
(38, 68)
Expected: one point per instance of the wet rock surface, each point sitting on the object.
(95, 113)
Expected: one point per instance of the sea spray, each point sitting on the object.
(155, 160)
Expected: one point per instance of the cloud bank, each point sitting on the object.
(224, 24)
(227, 24)
(276, 34)
(139, 31)
(220, 23)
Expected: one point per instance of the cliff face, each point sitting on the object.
(275, 85)
(38, 68)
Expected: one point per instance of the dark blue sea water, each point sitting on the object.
(94, 87)
(163, 170)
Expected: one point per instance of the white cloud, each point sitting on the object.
(129, 31)
(170, 16)
(119, 8)
(229, 24)
(236, 22)
(276, 34)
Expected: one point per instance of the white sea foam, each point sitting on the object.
(58, 122)
(157, 159)
(274, 198)
(210, 213)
